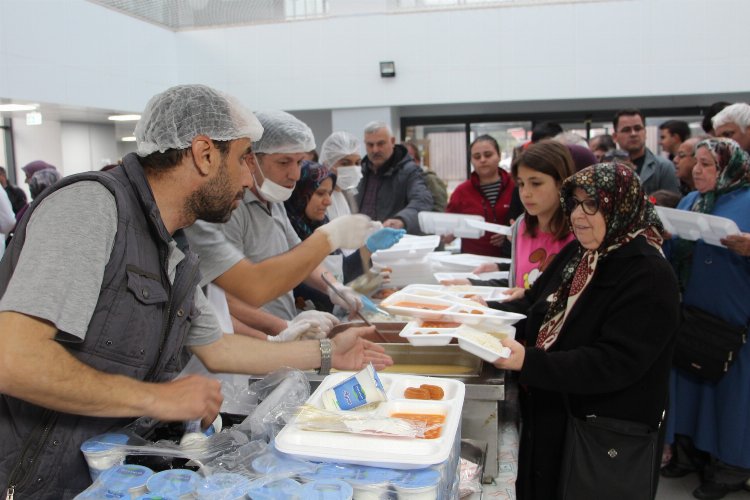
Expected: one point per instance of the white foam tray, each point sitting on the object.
(446, 223)
(496, 275)
(445, 307)
(382, 451)
(488, 293)
(420, 335)
(488, 226)
(697, 226)
(409, 247)
(465, 261)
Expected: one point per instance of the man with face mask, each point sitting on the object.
(260, 227)
(99, 299)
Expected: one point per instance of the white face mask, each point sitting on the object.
(270, 191)
(348, 177)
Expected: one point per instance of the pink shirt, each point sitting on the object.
(533, 255)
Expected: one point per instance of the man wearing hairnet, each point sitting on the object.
(280, 153)
(99, 297)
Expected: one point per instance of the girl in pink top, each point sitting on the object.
(542, 231)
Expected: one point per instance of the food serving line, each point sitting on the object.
(398, 433)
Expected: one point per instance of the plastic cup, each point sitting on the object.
(331, 471)
(371, 483)
(361, 389)
(418, 485)
(101, 452)
(174, 483)
(125, 480)
(277, 490)
(327, 489)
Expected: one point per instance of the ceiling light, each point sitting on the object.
(18, 107)
(124, 118)
(130, 138)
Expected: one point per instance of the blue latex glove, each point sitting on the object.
(384, 238)
(369, 305)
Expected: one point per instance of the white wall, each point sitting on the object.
(87, 146)
(36, 142)
(543, 52)
(77, 53)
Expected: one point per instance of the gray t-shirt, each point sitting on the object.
(217, 255)
(61, 266)
(262, 233)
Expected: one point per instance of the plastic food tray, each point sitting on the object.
(466, 261)
(488, 226)
(445, 223)
(696, 226)
(447, 307)
(488, 293)
(419, 335)
(409, 247)
(495, 275)
(382, 451)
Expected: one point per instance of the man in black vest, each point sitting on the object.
(99, 295)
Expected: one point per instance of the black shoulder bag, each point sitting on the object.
(609, 458)
(706, 345)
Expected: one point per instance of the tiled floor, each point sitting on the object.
(503, 488)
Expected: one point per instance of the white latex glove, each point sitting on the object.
(320, 323)
(292, 332)
(349, 231)
(351, 301)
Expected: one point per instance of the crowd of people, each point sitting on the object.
(226, 236)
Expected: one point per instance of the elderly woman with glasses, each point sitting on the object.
(600, 326)
(711, 420)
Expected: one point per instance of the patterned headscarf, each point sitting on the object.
(311, 176)
(732, 173)
(627, 213)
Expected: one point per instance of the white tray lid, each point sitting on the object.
(447, 223)
(693, 226)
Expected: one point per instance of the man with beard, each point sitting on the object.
(99, 298)
(654, 171)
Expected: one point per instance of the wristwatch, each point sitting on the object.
(326, 350)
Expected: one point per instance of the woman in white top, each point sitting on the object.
(340, 152)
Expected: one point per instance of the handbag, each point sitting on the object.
(706, 345)
(609, 458)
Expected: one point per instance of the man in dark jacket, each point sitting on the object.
(392, 189)
(654, 171)
(15, 194)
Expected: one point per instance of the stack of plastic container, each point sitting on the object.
(408, 261)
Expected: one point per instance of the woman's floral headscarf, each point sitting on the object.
(732, 173)
(311, 177)
(733, 167)
(627, 213)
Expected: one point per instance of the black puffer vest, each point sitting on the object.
(138, 328)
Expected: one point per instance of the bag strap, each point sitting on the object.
(566, 403)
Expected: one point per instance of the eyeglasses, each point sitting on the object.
(629, 130)
(589, 206)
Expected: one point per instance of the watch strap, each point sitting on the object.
(326, 351)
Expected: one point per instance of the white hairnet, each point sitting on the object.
(338, 145)
(283, 133)
(175, 117)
